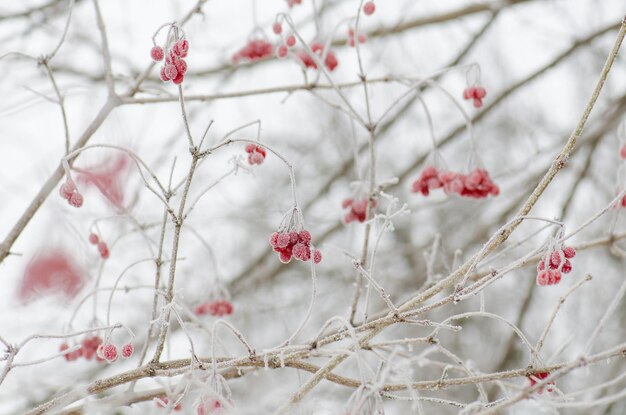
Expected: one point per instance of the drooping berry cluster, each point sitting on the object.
(358, 209)
(558, 263)
(163, 401)
(476, 93)
(217, 308)
(109, 352)
(175, 66)
(369, 8)
(103, 249)
(69, 192)
(254, 50)
(361, 37)
(331, 61)
(209, 406)
(294, 244)
(538, 377)
(476, 184)
(88, 348)
(256, 154)
(288, 41)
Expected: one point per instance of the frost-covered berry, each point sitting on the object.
(317, 256)
(277, 28)
(256, 158)
(369, 8)
(67, 189)
(156, 53)
(93, 238)
(475, 93)
(103, 249)
(179, 79)
(283, 240)
(181, 48)
(76, 199)
(622, 152)
(543, 278)
(305, 236)
(163, 75)
(274, 239)
(569, 252)
(170, 71)
(567, 267)
(282, 51)
(285, 257)
(300, 251)
(181, 66)
(109, 353)
(127, 350)
(290, 41)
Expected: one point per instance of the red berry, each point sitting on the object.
(369, 8)
(282, 51)
(181, 66)
(103, 249)
(569, 252)
(622, 152)
(285, 257)
(170, 71)
(555, 260)
(67, 189)
(181, 48)
(317, 256)
(305, 236)
(76, 199)
(567, 267)
(480, 92)
(179, 79)
(163, 75)
(283, 240)
(277, 28)
(127, 350)
(291, 41)
(157, 53)
(93, 238)
(543, 278)
(109, 352)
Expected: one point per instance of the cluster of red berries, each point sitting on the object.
(103, 249)
(369, 8)
(110, 353)
(254, 50)
(358, 209)
(163, 401)
(294, 244)
(540, 376)
(69, 192)
(476, 93)
(556, 266)
(209, 406)
(216, 308)
(88, 349)
(361, 37)
(288, 42)
(331, 61)
(476, 184)
(256, 154)
(175, 66)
